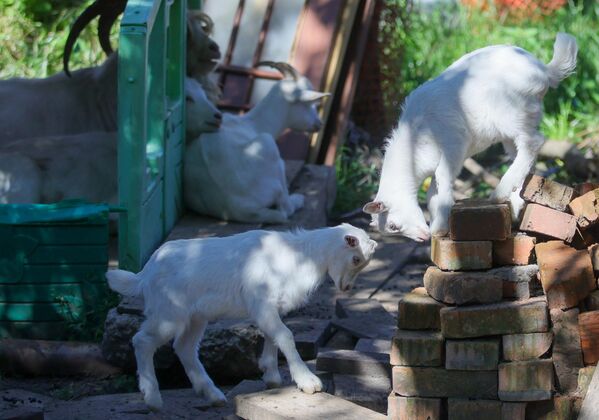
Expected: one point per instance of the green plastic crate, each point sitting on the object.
(52, 263)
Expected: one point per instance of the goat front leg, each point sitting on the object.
(268, 320)
(517, 203)
(268, 363)
(527, 149)
(186, 346)
(442, 202)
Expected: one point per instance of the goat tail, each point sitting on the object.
(563, 62)
(124, 282)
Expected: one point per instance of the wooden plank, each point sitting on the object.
(58, 273)
(49, 293)
(60, 234)
(590, 405)
(588, 326)
(68, 254)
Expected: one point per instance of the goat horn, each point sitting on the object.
(286, 69)
(107, 19)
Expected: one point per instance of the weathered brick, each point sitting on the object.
(567, 354)
(461, 255)
(566, 274)
(548, 193)
(512, 317)
(439, 382)
(413, 408)
(586, 208)
(588, 327)
(480, 354)
(351, 362)
(517, 291)
(462, 287)
(594, 251)
(585, 187)
(549, 222)
(417, 348)
(518, 347)
(418, 311)
(585, 375)
(515, 250)
(516, 280)
(513, 411)
(592, 301)
(461, 409)
(530, 380)
(557, 408)
(479, 220)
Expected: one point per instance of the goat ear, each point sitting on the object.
(374, 207)
(351, 241)
(312, 96)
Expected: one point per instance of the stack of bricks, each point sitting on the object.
(492, 334)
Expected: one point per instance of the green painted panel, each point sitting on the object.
(50, 293)
(38, 330)
(55, 273)
(69, 309)
(68, 254)
(69, 234)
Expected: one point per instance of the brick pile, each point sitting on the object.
(507, 323)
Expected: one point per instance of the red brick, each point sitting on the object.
(513, 411)
(477, 354)
(518, 347)
(463, 409)
(586, 208)
(546, 221)
(515, 250)
(566, 274)
(418, 311)
(455, 287)
(585, 187)
(413, 408)
(417, 348)
(531, 380)
(478, 220)
(461, 255)
(567, 355)
(548, 193)
(588, 326)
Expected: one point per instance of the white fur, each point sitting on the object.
(259, 275)
(491, 95)
(237, 173)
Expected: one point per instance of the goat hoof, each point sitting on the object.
(309, 383)
(272, 380)
(153, 401)
(216, 397)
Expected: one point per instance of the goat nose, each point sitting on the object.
(214, 47)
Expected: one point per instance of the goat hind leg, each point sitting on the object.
(268, 363)
(186, 346)
(517, 203)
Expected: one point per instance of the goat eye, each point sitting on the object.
(393, 227)
(356, 260)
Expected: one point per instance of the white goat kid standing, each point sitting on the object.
(258, 274)
(491, 95)
(237, 173)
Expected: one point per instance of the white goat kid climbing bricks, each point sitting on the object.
(488, 96)
(259, 275)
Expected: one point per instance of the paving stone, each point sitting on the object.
(510, 317)
(557, 408)
(548, 193)
(19, 404)
(464, 287)
(377, 345)
(585, 375)
(518, 347)
(364, 318)
(513, 411)
(461, 409)
(246, 386)
(586, 208)
(566, 274)
(439, 382)
(413, 408)
(588, 327)
(545, 221)
(22, 413)
(418, 311)
(368, 391)
(480, 354)
(417, 348)
(461, 255)
(351, 362)
(567, 353)
(290, 403)
(309, 334)
(479, 220)
(515, 250)
(530, 380)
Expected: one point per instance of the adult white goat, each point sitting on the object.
(53, 168)
(257, 274)
(237, 173)
(86, 101)
(490, 95)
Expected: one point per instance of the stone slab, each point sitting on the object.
(479, 354)
(364, 318)
(365, 390)
(351, 362)
(418, 311)
(290, 403)
(460, 288)
(461, 255)
(518, 347)
(567, 353)
(530, 380)
(309, 334)
(414, 408)
(462, 409)
(439, 383)
(511, 317)
(377, 345)
(417, 348)
(479, 220)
